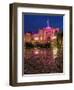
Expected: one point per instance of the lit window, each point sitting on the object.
(36, 38)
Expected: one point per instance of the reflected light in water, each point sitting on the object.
(36, 51)
(55, 52)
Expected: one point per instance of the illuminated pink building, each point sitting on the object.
(46, 34)
(49, 33)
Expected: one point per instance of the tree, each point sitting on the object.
(59, 39)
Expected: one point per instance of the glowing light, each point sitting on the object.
(36, 51)
(40, 38)
(54, 37)
(36, 38)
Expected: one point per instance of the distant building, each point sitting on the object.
(44, 35)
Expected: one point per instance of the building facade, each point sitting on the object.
(44, 35)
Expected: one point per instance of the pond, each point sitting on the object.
(43, 60)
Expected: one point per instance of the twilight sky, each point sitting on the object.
(34, 22)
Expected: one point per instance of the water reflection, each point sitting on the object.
(38, 60)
